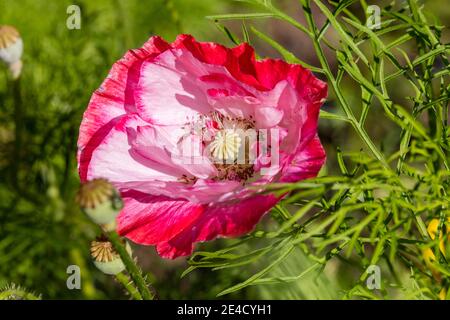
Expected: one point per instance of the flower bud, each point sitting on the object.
(11, 48)
(432, 231)
(106, 258)
(443, 294)
(428, 253)
(100, 201)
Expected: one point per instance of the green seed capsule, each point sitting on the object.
(100, 201)
(106, 258)
(11, 48)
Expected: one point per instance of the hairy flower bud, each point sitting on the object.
(100, 201)
(106, 258)
(11, 48)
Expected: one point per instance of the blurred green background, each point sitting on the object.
(41, 229)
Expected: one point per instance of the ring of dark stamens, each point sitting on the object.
(233, 171)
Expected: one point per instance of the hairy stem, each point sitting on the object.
(17, 294)
(125, 281)
(131, 266)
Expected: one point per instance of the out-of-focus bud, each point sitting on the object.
(428, 253)
(11, 49)
(106, 258)
(443, 294)
(432, 231)
(100, 201)
(430, 258)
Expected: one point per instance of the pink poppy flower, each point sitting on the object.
(163, 99)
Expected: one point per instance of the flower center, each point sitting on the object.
(227, 142)
(230, 147)
(226, 145)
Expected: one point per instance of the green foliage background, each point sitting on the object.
(384, 127)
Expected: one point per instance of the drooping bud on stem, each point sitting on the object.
(100, 201)
(11, 49)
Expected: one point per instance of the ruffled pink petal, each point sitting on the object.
(149, 219)
(115, 96)
(85, 152)
(234, 106)
(239, 61)
(285, 102)
(267, 117)
(208, 52)
(202, 191)
(229, 96)
(263, 75)
(156, 142)
(311, 92)
(172, 149)
(223, 84)
(168, 93)
(191, 158)
(221, 220)
(306, 163)
(112, 159)
(112, 100)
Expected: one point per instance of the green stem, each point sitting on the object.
(426, 67)
(421, 227)
(17, 153)
(131, 267)
(125, 281)
(18, 122)
(327, 70)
